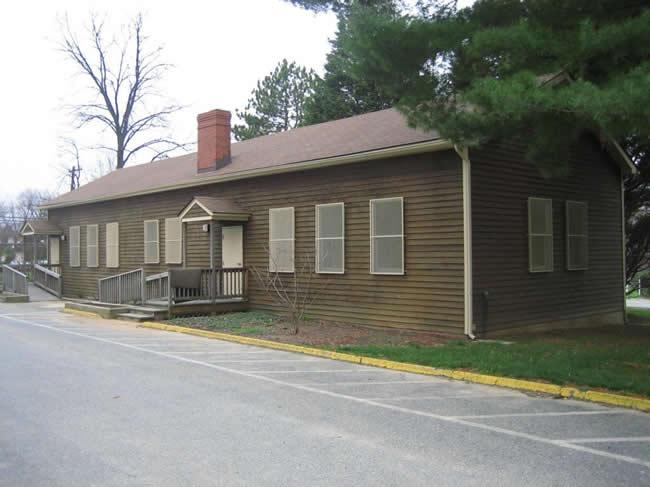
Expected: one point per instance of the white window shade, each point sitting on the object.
(540, 235)
(92, 245)
(75, 246)
(330, 238)
(151, 250)
(577, 235)
(387, 236)
(173, 241)
(281, 239)
(113, 244)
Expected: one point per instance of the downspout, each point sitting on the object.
(623, 238)
(467, 240)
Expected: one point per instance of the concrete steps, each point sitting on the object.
(133, 316)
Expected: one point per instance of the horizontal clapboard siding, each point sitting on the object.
(429, 296)
(501, 183)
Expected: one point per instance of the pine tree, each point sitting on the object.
(277, 103)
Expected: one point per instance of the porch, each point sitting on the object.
(42, 253)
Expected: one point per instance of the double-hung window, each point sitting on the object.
(113, 244)
(387, 236)
(540, 235)
(281, 239)
(92, 245)
(577, 235)
(75, 246)
(330, 238)
(151, 238)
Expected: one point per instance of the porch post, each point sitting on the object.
(213, 264)
(33, 255)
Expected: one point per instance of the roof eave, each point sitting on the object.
(401, 150)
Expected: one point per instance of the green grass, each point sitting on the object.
(638, 313)
(586, 362)
(249, 322)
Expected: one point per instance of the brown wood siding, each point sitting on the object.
(501, 183)
(430, 294)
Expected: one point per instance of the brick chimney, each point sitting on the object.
(213, 140)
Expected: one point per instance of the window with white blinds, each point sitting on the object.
(330, 238)
(92, 245)
(281, 239)
(151, 239)
(577, 235)
(173, 241)
(75, 246)
(387, 236)
(113, 244)
(540, 235)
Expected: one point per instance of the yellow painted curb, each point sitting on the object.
(519, 384)
(77, 312)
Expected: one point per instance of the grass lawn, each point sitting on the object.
(603, 358)
(246, 323)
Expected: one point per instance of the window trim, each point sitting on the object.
(292, 240)
(96, 246)
(568, 235)
(144, 250)
(531, 235)
(318, 238)
(71, 247)
(109, 245)
(372, 237)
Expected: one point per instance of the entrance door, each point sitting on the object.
(232, 256)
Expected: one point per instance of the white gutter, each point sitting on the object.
(467, 241)
(403, 150)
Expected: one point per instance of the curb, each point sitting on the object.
(87, 314)
(518, 384)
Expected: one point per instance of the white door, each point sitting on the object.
(232, 256)
(54, 250)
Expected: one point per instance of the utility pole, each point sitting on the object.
(73, 173)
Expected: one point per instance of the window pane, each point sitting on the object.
(281, 223)
(576, 218)
(541, 253)
(540, 216)
(387, 254)
(281, 256)
(387, 217)
(330, 221)
(578, 252)
(330, 255)
(151, 252)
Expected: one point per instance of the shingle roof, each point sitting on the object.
(363, 133)
(216, 206)
(41, 227)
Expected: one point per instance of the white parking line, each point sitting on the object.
(559, 413)
(220, 352)
(621, 439)
(255, 361)
(467, 395)
(359, 400)
(377, 383)
(320, 371)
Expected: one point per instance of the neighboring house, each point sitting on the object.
(407, 230)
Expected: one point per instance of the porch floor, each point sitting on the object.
(38, 294)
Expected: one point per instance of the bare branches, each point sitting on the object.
(123, 74)
(295, 292)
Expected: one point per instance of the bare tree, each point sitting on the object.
(294, 293)
(123, 75)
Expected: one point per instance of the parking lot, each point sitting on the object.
(89, 401)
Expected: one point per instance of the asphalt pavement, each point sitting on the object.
(88, 402)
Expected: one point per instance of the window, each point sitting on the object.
(92, 245)
(113, 244)
(540, 235)
(173, 241)
(151, 251)
(577, 236)
(330, 238)
(75, 250)
(387, 236)
(281, 239)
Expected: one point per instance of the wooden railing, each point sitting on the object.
(223, 283)
(156, 286)
(13, 281)
(47, 279)
(122, 288)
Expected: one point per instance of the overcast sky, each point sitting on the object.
(219, 48)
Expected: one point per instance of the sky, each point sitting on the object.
(219, 50)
